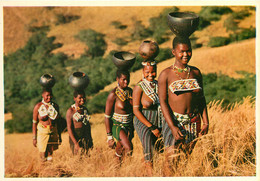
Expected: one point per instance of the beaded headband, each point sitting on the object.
(149, 63)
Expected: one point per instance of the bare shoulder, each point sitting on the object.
(37, 106)
(70, 110)
(195, 70)
(164, 74)
(137, 88)
(112, 94)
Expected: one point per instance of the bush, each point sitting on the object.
(213, 13)
(203, 23)
(159, 25)
(94, 40)
(246, 33)
(118, 25)
(231, 23)
(120, 41)
(164, 54)
(63, 19)
(222, 87)
(194, 43)
(97, 103)
(140, 32)
(218, 41)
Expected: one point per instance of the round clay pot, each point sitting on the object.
(78, 80)
(149, 50)
(47, 80)
(182, 23)
(124, 60)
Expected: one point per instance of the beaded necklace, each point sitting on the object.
(188, 70)
(122, 94)
(180, 69)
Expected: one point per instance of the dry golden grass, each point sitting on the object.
(227, 150)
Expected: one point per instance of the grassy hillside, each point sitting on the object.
(17, 21)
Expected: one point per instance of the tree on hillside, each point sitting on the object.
(94, 40)
(21, 83)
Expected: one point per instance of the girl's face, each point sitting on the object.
(80, 100)
(47, 96)
(149, 73)
(182, 53)
(123, 81)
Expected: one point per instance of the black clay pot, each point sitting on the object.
(124, 60)
(149, 50)
(47, 80)
(78, 80)
(183, 24)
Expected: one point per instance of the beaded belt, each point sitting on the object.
(185, 124)
(123, 118)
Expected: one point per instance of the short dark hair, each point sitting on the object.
(79, 92)
(180, 40)
(120, 72)
(46, 89)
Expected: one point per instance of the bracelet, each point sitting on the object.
(153, 127)
(34, 121)
(109, 134)
(109, 138)
(205, 124)
(107, 116)
(34, 137)
(136, 106)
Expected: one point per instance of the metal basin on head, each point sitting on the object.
(182, 23)
(47, 80)
(124, 60)
(149, 50)
(79, 80)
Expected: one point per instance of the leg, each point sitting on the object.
(124, 141)
(49, 152)
(42, 156)
(146, 138)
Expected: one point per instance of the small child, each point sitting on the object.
(78, 124)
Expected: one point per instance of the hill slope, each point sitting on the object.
(226, 59)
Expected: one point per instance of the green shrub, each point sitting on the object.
(63, 19)
(231, 23)
(97, 103)
(34, 29)
(213, 13)
(118, 25)
(159, 25)
(140, 32)
(203, 23)
(194, 43)
(120, 41)
(164, 54)
(94, 40)
(245, 33)
(218, 41)
(222, 87)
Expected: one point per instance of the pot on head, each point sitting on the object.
(47, 80)
(124, 60)
(182, 23)
(149, 50)
(78, 80)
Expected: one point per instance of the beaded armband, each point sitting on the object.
(34, 121)
(107, 116)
